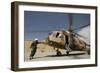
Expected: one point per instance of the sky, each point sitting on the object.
(39, 24)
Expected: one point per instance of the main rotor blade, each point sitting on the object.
(37, 31)
(40, 31)
(43, 31)
(79, 35)
(81, 27)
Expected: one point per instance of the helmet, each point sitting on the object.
(36, 39)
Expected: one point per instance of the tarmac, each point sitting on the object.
(72, 55)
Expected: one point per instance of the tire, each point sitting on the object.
(58, 53)
(88, 52)
(67, 52)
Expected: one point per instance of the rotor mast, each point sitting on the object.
(70, 21)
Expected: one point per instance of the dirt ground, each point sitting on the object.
(46, 52)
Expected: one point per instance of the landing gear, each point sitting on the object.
(68, 49)
(88, 51)
(31, 58)
(67, 52)
(58, 52)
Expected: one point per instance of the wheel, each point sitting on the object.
(67, 52)
(88, 52)
(58, 53)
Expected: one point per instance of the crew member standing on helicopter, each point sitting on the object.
(33, 48)
(69, 42)
(68, 39)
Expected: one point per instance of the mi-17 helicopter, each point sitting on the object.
(67, 39)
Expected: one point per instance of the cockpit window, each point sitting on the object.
(61, 36)
(57, 34)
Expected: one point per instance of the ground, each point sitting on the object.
(46, 52)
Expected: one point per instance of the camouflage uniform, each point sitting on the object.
(33, 48)
(69, 43)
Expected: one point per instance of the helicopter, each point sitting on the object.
(67, 40)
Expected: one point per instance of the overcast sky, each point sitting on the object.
(39, 24)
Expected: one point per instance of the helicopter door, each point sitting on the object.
(66, 38)
(57, 34)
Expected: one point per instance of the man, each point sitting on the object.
(69, 42)
(33, 48)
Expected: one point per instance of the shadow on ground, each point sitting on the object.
(65, 55)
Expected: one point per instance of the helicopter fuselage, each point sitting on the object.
(74, 42)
